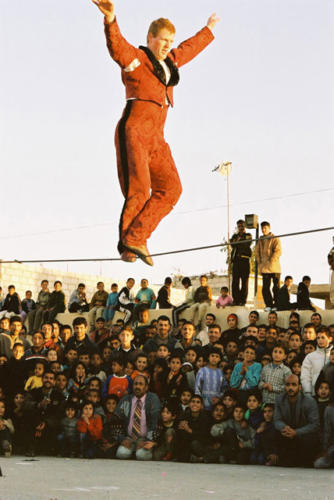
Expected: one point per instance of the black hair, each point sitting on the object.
(186, 281)
(79, 321)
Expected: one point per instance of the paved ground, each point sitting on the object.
(65, 479)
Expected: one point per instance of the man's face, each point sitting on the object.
(272, 319)
(261, 334)
(187, 331)
(265, 230)
(100, 287)
(144, 284)
(44, 286)
(61, 382)
(232, 322)
(114, 289)
(251, 330)
(11, 290)
(241, 227)
(80, 331)
(268, 414)
(231, 348)
(66, 333)
(140, 387)
(252, 318)
(203, 281)
(218, 413)
(295, 342)
(48, 380)
(16, 327)
(100, 325)
(28, 295)
(316, 320)
(5, 324)
(209, 320)
(288, 283)
(322, 340)
(163, 328)
(37, 340)
(57, 287)
(130, 283)
(214, 335)
(309, 334)
(47, 330)
(161, 44)
(71, 356)
(292, 386)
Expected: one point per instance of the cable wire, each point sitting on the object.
(170, 252)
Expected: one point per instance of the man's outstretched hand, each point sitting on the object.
(212, 21)
(107, 8)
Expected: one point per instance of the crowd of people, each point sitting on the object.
(164, 390)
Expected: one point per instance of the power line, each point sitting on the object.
(170, 252)
(181, 212)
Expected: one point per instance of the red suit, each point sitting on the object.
(146, 170)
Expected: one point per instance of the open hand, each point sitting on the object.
(212, 21)
(107, 8)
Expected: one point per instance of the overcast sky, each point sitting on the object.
(261, 96)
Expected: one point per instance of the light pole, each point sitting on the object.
(225, 168)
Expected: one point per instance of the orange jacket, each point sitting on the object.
(94, 428)
(139, 74)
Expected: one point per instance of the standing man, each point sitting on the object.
(240, 258)
(147, 172)
(267, 253)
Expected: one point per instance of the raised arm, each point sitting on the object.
(190, 48)
(120, 50)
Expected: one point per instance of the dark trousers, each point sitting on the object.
(68, 445)
(269, 298)
(300, 451)
(232, 451)
(240, 276)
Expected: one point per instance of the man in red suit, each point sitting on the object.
(147, 173)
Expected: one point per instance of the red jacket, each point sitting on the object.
(138, 74)
(94, 428)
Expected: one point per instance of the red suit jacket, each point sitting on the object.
(138, 72)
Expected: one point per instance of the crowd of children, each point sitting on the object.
(220, 394)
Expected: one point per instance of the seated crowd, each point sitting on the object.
(154, 390)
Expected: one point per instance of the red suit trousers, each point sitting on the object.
(147, 173)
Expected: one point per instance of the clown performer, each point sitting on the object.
(147, 173)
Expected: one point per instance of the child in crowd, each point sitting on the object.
(266, 439)
(225, 299)
(272, 378)
(141, 366)
(112, 428)
(322, 397)
(68, 436)
(6, 431)
(164, 450)
(229, 401)
(95, 367)
(246, 375)
(35, 381)
(295, 342)
(94, 396)
(296, 366)
(174, 381)
(61, 384)
(214, 453)
(118, 383)
(210, 380)
(78, 381)
(129, 369)
(308, 347)
(238, 438)
(185, 399)
(90, 428)
(254, 413)
(18, 418)
(163, 352)
(71, 358)
(192, 431)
